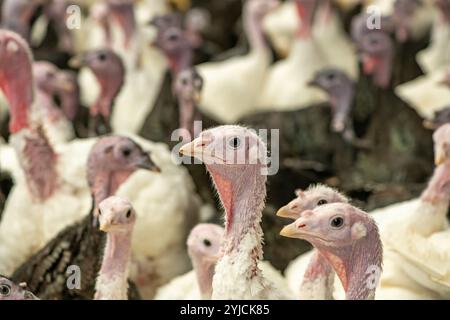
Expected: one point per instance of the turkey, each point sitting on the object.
(233, 86)
(11, 291)
(117, 218)
(349, 239)
(129, 36)
(285, 87)
(111, 161)
(203, 247)
(50, 83)
(316, 281)
(411, 271)
(36, 214)
(240, 183)
(109, 71)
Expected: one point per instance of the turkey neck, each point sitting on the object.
(341, 101)
(106, 184)
(110, 89)
(318, 280)
(180, 60)
(117, 254)
(204, 271)
(253, 30)
(187, 108)
(358, 266)
(305, 11)
(35, 153)
(243, 201)
(434, 193)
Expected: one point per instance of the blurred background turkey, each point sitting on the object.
(94, 91)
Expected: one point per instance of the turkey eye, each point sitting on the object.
(184, 81)
(337, 222)
(126, 152)
(129, 213)
(322, 202)
(235, 142)
(5, 290)
(102, 57)
(99, 212)
(206, 242)
(173, 37)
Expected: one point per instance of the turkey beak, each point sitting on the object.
(197, 96)
(78, 61)
(428, 124)
(105, 225)
(312, 83)
(440, 156)
(287, 212)
(289, 231)
(147, 163)
(65, 85)
(188, 149)
(196, 148)
(294, 230)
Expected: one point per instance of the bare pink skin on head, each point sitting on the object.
(187, 88)
(16, 78)
(109, 71)
(203, 247)
(111, 161)
(438, 189)
(11, 291)
(305, 11)
(319, 275)
(47, 84)
(117, 218)
(349, 239)
(314, 196)
(235, 157)
(377, 54)
(69, 94)
(175, 41)
(123, 12)
(341, 92)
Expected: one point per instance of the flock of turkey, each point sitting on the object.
(96, 205)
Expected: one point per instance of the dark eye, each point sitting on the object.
(126, 152)
(173, 37)
(128, 213)
(337, 222)
(99, 212)
(102, 56)
(331, 76)
(184, 81)
(5, 290)
(322, 202)
(206, 242)
(49, 75)
(235, 142)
